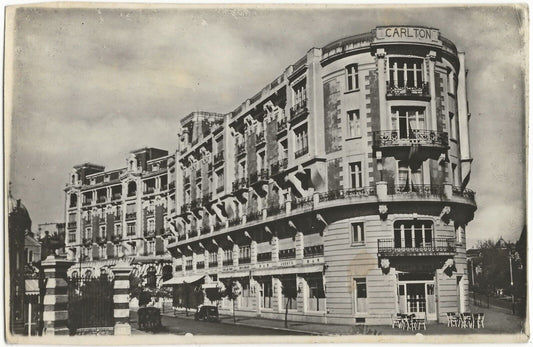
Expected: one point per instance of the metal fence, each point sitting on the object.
(90, 302)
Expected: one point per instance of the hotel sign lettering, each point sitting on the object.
(411, 34)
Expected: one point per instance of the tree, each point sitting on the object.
(233, 291)
(289, 291)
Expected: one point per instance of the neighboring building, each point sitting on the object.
(32, 249)
(344, 178)
(45, 230)
(19, 225)
(120, 213)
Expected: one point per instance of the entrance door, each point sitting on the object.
(417, 297)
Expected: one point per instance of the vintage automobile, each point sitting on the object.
(207, 312)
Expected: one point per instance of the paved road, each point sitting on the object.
(181, 326)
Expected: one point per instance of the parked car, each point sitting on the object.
(207, 312)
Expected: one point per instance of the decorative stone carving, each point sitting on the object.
(445, 214)
(385, 265)
(383, 211)
(449, 267)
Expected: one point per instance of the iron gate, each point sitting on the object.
(90, 302)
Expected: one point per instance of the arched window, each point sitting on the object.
(88, 273)
(74, 274)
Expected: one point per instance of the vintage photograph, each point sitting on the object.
(310, 173)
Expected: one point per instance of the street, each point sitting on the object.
(182, 325)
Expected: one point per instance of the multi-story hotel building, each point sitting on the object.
(344, 178)
(121, 213)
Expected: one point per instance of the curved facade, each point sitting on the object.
(345, 179)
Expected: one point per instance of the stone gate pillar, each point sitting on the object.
(121, 304)
(55, 301)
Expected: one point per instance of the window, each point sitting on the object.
(453, 126)
(408, 122)
(118, 229)
(405, 72)
(220, 179)
(301, 144)
(358, 233)
(131, 229)
(151, 225)
(317, 297)
(356, 175)
(213, 257)
(354, 124)
(244, 253)
(102, 231)
(299, 93)
(409, 180)
(352, 77)
(72, 218)
(360, 295)
(413, 233)
(88, 233)
(228, 257)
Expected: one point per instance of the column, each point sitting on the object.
(432, 103)
(194, 261)
(220, 257)
(277, 299)
(121, 305)
(183, 264)
(303, 293)
(253, 252)
(382, 90)
(299, 245)
(235, 254)
(275, 248)
(55, 302)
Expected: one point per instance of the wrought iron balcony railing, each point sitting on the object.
(302, 202)
(347, 193)
(301, 152)
(422, 190)
(467, 193)
(416, 246)
(259, 176)
(407, 91)
(393, 138)
(253, 216)
(299, 109)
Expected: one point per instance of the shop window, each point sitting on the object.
(317, 296)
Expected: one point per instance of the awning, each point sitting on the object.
(288, 270)
(183, 280)
(32, 287)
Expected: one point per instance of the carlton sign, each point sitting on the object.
(411, 34)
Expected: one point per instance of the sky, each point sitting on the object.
(92, 84)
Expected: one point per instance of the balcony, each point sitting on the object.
(71, 225)
(302, 151)
(219, 158)
(287, 253)
(241, 184)
(227, 262)
(347, 193)
(131, 215)
(299, 111)
(234, 221)
(253, 216)
(313, 251)
(200, 265)
(395, 247)
(421, 190)
(275, 210)
(246, 260)
(279, 166)
(394, 138)
(260, 138)
(262, 257)
(282, 125)
(260, 176)
(185, 208)
(420, 92)
(466, 193)
(205, 230)
(213, 264)
(241, 149)
(297, 203)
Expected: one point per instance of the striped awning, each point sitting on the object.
(183, 280)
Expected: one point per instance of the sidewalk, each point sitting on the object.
(496, 322)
